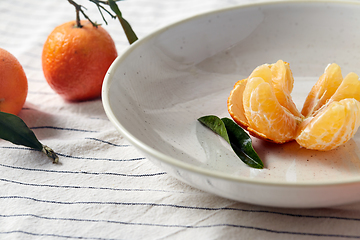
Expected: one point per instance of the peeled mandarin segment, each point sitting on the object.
(262, 71)
(236, 109)
(331, 127)
(282, 78)
(283, 83)
(235, 104)
(322, 91)
(264, 113)
(349, 88)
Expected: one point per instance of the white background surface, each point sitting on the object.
(104, 188)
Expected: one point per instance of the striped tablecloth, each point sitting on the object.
(103, 187)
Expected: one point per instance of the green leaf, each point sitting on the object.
(216, 125)
(241, 143)
(129, 32)
(238, 139)
(13, 129)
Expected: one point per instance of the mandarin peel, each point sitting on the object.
(236, 106)
(330, 116)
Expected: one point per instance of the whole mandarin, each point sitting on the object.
(76, 59)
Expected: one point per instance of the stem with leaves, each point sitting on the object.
(129, 32)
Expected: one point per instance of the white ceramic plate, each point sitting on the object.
(157, 89)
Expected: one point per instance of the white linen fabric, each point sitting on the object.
(103, 188)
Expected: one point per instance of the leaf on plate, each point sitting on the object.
(14, 129)
(216, 125)
(238, 139)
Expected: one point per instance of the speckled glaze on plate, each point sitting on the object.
(155, 91)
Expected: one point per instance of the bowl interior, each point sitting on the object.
(155, 92)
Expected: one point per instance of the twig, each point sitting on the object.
(78, 9)
(129, 32)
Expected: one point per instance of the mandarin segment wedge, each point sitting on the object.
(262, 105)
(264, 112)
(349, 88)
(283, 83)
(322, 91)
(331, 127)
(263, 71)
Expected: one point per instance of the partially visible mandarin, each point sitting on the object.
(13, 84)
(262, 104)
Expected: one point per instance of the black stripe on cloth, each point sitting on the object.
(84, 172)
(112, 144)
(89, 187)
(101, 159)
(189, 226)
(56, 235)
(30, 109)
(65, 129)
(76, 157)
(181, 207)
